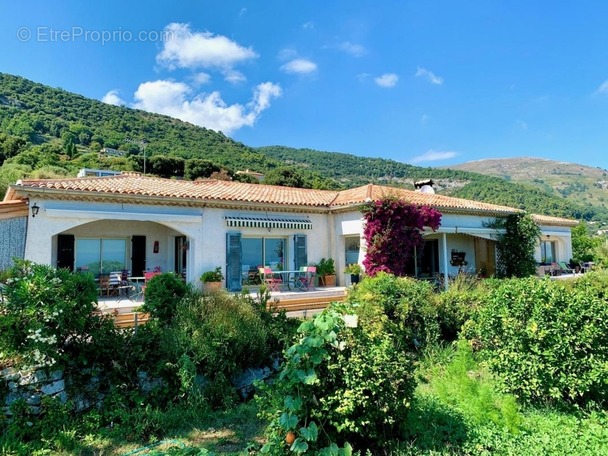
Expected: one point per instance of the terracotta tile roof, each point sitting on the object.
(238, 192)
(555, 221)
(203, 190)
(374, 192)
(13, 208)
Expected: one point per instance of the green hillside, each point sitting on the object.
(577, 183)
(48, 132)
(351, 170)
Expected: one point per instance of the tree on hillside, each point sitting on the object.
(166, 166)
(286, 177)
(196, 168)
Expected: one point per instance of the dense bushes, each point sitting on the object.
(338, 384)
(163, 293)
(403, 307)
(190, 352)
(48, 320)
(546, 340)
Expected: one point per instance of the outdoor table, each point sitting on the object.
(286, 276)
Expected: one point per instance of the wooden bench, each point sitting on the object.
(130, 319)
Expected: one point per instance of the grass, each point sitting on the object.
(458, 409)
(179, 431)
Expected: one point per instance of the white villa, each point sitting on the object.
(144, 223)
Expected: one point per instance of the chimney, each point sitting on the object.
(424, 186)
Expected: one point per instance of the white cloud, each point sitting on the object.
(202, 78)
(363, 76)
(433, 155)
(432, 78)
(234, 76)
(299, 66)
(308, 25)
(387, 80)
(206, 110)
(188, 49)
(603, 88)
(113, 98)
(353, 49)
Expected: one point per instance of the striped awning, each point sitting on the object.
(269, 222)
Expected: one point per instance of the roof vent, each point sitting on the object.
(424, 186)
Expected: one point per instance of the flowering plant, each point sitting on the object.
(393, 229)
(46, 313)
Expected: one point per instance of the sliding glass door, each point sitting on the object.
(100, 256)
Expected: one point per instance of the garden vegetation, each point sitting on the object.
(508, 367)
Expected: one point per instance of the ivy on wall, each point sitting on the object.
(516, 245)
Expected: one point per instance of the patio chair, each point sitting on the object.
(104, 285)
(270, 279)
(306, 279)
(119, 283)
(565, 267)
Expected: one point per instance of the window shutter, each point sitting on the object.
(300, 252)
(233, 261)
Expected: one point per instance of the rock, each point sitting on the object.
(53, 388)
(33, 399)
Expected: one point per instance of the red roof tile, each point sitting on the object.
(238, 192)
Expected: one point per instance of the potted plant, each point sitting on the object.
(354, 269)
(326, 271)
(212, 280)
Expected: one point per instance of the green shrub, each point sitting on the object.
(47, 316)
(402, 306)
(546, 340)
(337, 384)
(221, 335)
(163, 292)
(456, 305)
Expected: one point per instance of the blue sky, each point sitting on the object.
(427, 83)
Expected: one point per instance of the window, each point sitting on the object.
(264, 252)
(547, 252)
(352, 245)
(100, 256)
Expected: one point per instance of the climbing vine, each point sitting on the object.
(393, 229)
(516, 245)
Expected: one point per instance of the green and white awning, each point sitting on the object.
(288, 223)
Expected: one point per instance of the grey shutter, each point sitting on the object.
(233, 261)
(300, 252)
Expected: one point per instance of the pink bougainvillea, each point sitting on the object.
(392, 230)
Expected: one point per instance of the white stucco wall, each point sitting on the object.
(562, 236)
(206, 231)
(215, 230)
(94, 219)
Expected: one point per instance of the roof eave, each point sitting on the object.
(77, 195)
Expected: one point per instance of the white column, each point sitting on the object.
(444, 240)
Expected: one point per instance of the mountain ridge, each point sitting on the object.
(47, 132)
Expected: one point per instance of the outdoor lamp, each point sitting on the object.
(35, 210)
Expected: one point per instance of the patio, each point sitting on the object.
(296, 303)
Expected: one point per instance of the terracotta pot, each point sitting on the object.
(329, 280)
(211, 286)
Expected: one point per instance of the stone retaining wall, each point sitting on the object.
(30, 386)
